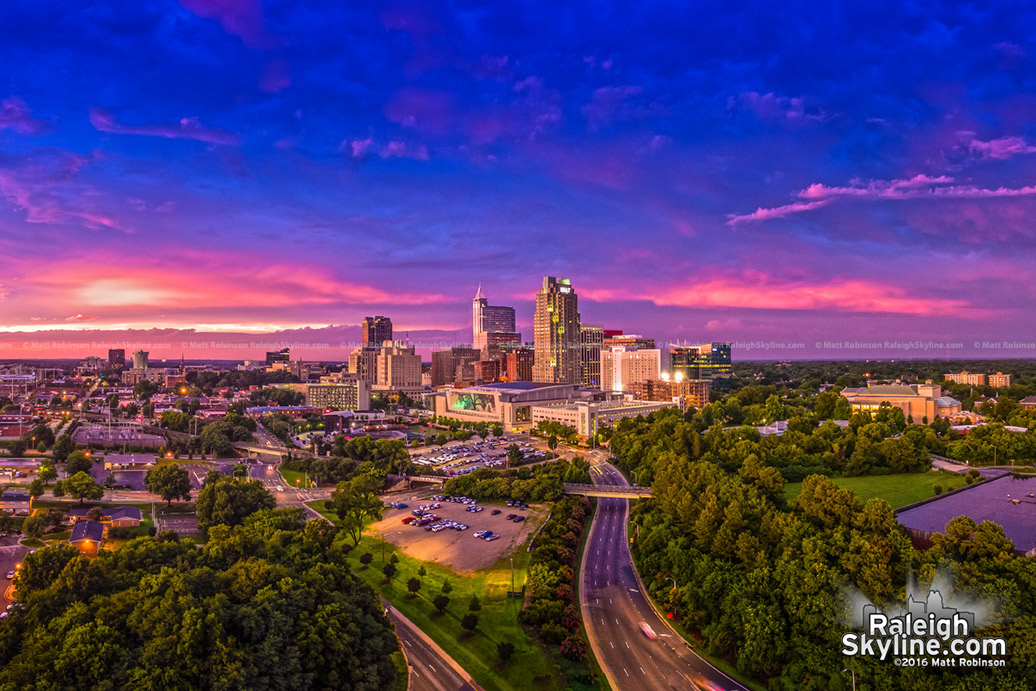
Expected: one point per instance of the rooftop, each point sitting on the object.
(87, 530)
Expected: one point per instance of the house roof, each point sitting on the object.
(87, 530)
(124, 512)
(78, 512)
(14, 496)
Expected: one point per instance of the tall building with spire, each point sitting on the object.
(492, 326)
(557, 335)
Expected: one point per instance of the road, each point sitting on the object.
(613, 607)
(432, 669)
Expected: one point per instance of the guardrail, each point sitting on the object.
(607, 491)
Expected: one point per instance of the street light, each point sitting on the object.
(854, 676)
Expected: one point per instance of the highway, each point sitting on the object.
(613, 607)
(431, 668)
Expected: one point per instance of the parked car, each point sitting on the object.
(480, 533)
(511, 516)
(492, 537)
(494, 512)
(10, 575)
(519, 519)
(409, 519)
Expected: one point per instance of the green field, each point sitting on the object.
(898, 490)
(531, 667)
(295, 478)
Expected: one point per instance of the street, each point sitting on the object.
(613, 607)
(431, 670)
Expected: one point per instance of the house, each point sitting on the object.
(17, 503)
(1028, 402)
(118, 516)
(87, 536)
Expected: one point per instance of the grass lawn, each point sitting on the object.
(295, 478)
(897, 490)
(529, 668)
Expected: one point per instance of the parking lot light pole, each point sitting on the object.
(853, 672)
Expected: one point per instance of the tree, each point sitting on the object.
(552, 442)
(355, 501)
(504, 650)
(33, 527)
(78, 462)
(36, 488)
(47, 472)
(515, 455)
(474, 605)
(446, 587)
(414, 585)
(422, 571)
(470, 621)
(81, 486)
(59, 488)
(228, 501)
(366, 558)
(389, 570)
(63, 447)
(169, 482)
(96, 513)
(441, 602)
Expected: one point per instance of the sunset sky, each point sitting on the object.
(699, 170)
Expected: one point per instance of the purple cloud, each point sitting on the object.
(999, 149)
(187, 128)
(241, 18)
(770, 106)
(15, 115)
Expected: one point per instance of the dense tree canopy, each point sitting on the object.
(228, 501)
(263, 606)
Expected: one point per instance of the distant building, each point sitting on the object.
(17, 503)
(704, 361)
(116, 359)
(374, 331)
(140, 359)
(591, 336)
(518, 364)
(454, 364)
(117, 516)
(492, 326)
(363, 362)
(556, 331)
(350, 393)
(587, 417)
(685, 393)
(399, 367)
(352, 420)
(966, 377)
(281, 357)
(87, 536)
(487, 371)
(627, 340)
(623, 366)
(999, 380)
(917, 401)
(506, 403)
(1028, 402)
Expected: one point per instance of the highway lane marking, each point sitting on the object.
(611, 644)
(431, 668)
(409, 643)
(627, 643)
(643, 672)
(625, 670)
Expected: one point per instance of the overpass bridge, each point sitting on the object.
(608, 491)
(439, 480)
(259, 449)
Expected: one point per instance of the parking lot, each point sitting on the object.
(461, 458)
(460, 549)
(184, 524)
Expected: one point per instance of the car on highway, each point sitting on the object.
(10, 575)
(647, 630)
(280, 488)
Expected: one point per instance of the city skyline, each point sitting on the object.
(269, 169)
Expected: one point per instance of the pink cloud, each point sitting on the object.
(361, 148)
(187, 128)
(917, 187)
(45, 189)
(999, 149)
(15, 115)
(275, 77)
(762, 214)
(241, 18)
(755, 290)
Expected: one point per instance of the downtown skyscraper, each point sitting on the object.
(375, 331)
(556, 331)
(492, 326)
